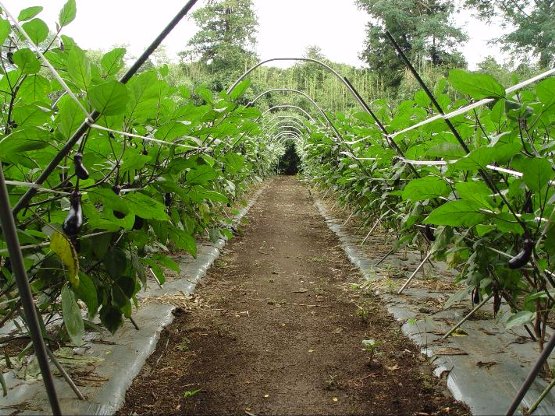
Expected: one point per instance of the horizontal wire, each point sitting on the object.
(472, 106)
(148, 139)
(35, 186)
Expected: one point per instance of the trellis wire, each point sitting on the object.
(477, 104)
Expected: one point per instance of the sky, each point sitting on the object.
(286, 27)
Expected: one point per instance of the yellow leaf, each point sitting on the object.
(62, 246)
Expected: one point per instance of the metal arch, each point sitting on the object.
(281, 125)
(388, 139)
(283, 134)
(287, 119)
(309, 98)
(316, 61)
(290, 106)
(292, 129)
(291, 117)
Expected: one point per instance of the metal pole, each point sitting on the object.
(532, 376)
(16, 259)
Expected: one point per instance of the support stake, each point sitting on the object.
(414, 273)
(65, 375)
(462, 321)
(532, 376)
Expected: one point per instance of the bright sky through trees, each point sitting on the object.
(287, 27)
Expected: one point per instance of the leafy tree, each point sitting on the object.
(533, 32)
(225, 42)
(423, 29)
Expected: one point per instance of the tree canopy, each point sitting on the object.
(423, 28)
(532, 21)
(225, 41)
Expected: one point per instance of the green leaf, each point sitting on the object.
(183, 240)
(72, 316)
(79, 68)
(240, 89)
(26, 61)
(23, 140)
(69, 117)
(109, 98)
(425, 188)
(68, 13)
(145, 206)
(199, 194)
(520, 318)
(37, 30)
(61, 245)
(86, 291)
(29, 13)
(5, 29)
(475, 84)
(480, 157)
(111, 317)
(171, 131)
(234, 162)
(112, 62)
(456, 213)
(34, 89)
(537, 172)
(201, 175)
(546, 91)
(474, 191)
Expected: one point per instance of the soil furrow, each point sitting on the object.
(276, 328)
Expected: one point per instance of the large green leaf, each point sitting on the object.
(109, 98)
(37, 30)
(79, 68)
(201, 175)
(29, 13)
(72, 316)
(86, 291)
(5, 29)
(546, 91)
(112, 62)
(480, 157)
(456, 213)
(428, 187)
(145, 206)
(477, 85)
(70, 116)
(183, 240)
(68, 13)
(478, 192)
(26, 60)
(537, 172)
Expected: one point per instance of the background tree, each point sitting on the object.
(423, 28)
(534, 31)
(224, 44)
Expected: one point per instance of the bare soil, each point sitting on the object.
(277, 328)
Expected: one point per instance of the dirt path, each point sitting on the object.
(278, 330)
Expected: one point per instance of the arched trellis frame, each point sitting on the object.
(390, 141)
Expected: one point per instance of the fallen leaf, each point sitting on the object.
(486, 364)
